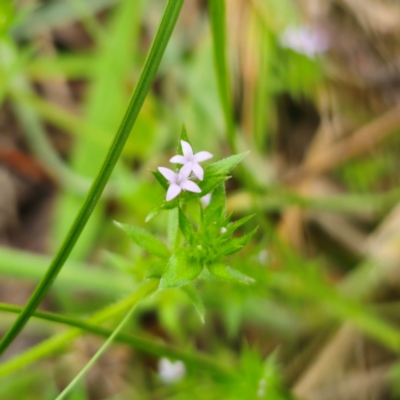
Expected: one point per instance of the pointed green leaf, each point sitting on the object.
(233, 245)
(184, 137)
(216, 208)
(162, 204)
(226, 273)
(206, 186)
(230, 247)
(181, 269)
(223, 167)
(160, 178)
(186, 228)
(243, 240)
(145, 240)
(210, 183)
(232, 227)
(194, 296)
(227, 219)
(156, 209)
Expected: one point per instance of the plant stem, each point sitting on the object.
(56, 342)
(146, 345)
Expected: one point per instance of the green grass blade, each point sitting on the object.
(143, 344)
(218, 27)
(56, 342)
(27, 266)
(104, 108)
(166, 27)
(98, 354)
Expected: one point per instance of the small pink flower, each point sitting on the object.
(191, 159)
(179, 181)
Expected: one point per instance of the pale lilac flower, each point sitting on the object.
(171, 372)
(179, 181)
(205, 200)
(191, 159)
(305, 40)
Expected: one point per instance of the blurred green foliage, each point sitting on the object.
(255, 330)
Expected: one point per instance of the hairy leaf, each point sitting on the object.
(234, 245)
(145, 240)
(161, 205)
(160, 178)
(181, 269)
(217, 206)
(226, 273)
(223, 167)
(193, 295)
(232, 227)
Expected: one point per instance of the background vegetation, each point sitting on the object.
(321, 320)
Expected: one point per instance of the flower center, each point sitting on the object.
(189, 158)
(179, 179)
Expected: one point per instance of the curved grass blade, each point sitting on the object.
(152, 63)
(56, 342)
(98, 354)
(146, 345)
(27, 266)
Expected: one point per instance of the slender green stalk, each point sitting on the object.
(53, 344)
(218, 27)
(98, 354)
(28, 266)
(137, 342)
(152, 63)
(91, 325)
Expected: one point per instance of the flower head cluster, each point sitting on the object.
(181, 180)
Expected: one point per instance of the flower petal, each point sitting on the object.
(185, 171)
(186, 148)
(202, 156)
(198, 171)
(190, 186)
(173, 191)
(205, 200)
(178, 160)
(168, 174)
